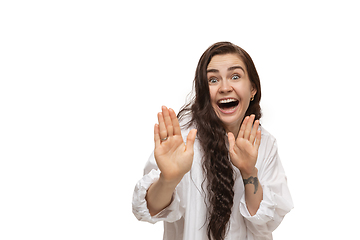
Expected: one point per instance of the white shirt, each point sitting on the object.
(185, 217)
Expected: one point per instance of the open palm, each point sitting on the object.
(244, 150)
(173, 157)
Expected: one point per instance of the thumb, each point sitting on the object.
(190, 140)
(231, 138)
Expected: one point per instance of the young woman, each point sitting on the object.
(216, 174)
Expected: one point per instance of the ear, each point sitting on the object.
(253, 90)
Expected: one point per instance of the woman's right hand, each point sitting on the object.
(173, 157)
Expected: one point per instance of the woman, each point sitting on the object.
(226, 180)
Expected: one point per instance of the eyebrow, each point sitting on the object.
(229, 69)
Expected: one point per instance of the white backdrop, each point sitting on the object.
(82, 82)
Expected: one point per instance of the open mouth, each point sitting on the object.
(228, 104)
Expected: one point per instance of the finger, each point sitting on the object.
(162, 127)
(175, 122)
(254, 131)
(258, 139)
(190, 140)
(157, 135)
(248, 126)
(168, 122)
(242, 128)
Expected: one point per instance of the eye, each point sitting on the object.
(213, 80)
(235, 77)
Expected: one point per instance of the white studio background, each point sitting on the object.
(82, 82)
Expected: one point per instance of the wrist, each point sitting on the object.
(168, 183)
(253, 173)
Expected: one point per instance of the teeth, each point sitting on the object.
(227, 100)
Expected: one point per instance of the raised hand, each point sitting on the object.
(173, 157)
(244, 150)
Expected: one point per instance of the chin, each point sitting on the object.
(227, 122)
(230, 118)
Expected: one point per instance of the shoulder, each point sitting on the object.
(266, 135)
(268, 141)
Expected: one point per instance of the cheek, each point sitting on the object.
(213, 92)
(243, 91)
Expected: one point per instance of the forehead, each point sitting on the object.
(225, 61)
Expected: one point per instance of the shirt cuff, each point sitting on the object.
(171, 213)
(266, 211)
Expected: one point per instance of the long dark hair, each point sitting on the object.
(212, 137)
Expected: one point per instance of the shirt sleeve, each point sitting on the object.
(171, 213)
(277, 201)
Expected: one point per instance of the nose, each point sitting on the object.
(225, 87)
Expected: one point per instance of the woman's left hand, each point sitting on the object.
(244, 150)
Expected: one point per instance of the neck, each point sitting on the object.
(233, 129)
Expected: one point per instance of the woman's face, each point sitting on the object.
(230, 89)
